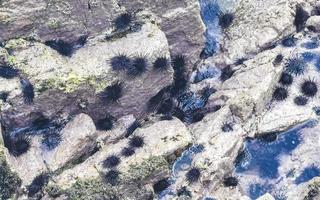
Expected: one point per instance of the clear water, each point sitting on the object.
(258, 165)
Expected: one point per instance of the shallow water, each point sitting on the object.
(258, 166)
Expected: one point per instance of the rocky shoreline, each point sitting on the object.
(161, 100)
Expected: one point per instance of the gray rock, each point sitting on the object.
(266, 196)
(314, 23)
(77, 140)
(164, 140)
(257, 25)
(68, 20)
(73, 85)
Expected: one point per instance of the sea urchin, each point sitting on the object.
(193, 175)
(280, 93)
(309, 88)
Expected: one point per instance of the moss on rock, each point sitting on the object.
(9, 181)
(16, 44)
(90, 189)
(146, 169)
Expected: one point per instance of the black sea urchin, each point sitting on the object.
(161, 63)
(193, 175)
(230, 181)
(121, 62)
(111, 161)
(286, 79)
(112, 93)
(27, 90)
(17, 145)
(226, 73)
(112, 177)
(138, 67)
(127, 151)
(161, 185)
(278, 59)
(300, 18)
(4, 96)
(295, 66)
(51, 140)
(289, 41)
(180, 80)
(123, 21)
(8, 72)
(300, 100)
(136, 141)
(280, 94)
(309, 88)
(225, 20)
(132, 128)
(105, 124)
(227, 127)
(37, 184)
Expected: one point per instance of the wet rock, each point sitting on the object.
(74, 85)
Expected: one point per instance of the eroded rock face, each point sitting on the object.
(76, 84)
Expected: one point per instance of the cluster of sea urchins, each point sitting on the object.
(112, 161)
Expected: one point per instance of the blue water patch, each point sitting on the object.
(261, 157)
(209, 13)
(289, 42)
(316, 110)
(317, 64)
(189, 101)
(263, 153)
(312, 44)
(308, 174)
(206, 73)
(185, 160)
(256, 190)
(308, 56)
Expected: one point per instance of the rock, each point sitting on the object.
(164, 141)
(74, 85)
(118, 131)
(180, 20)
(77, 140)
(28, 165)
(266, 196)
(9, 181)
(254, 29)
(313, 23)
(69, 20)
(56, 19)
